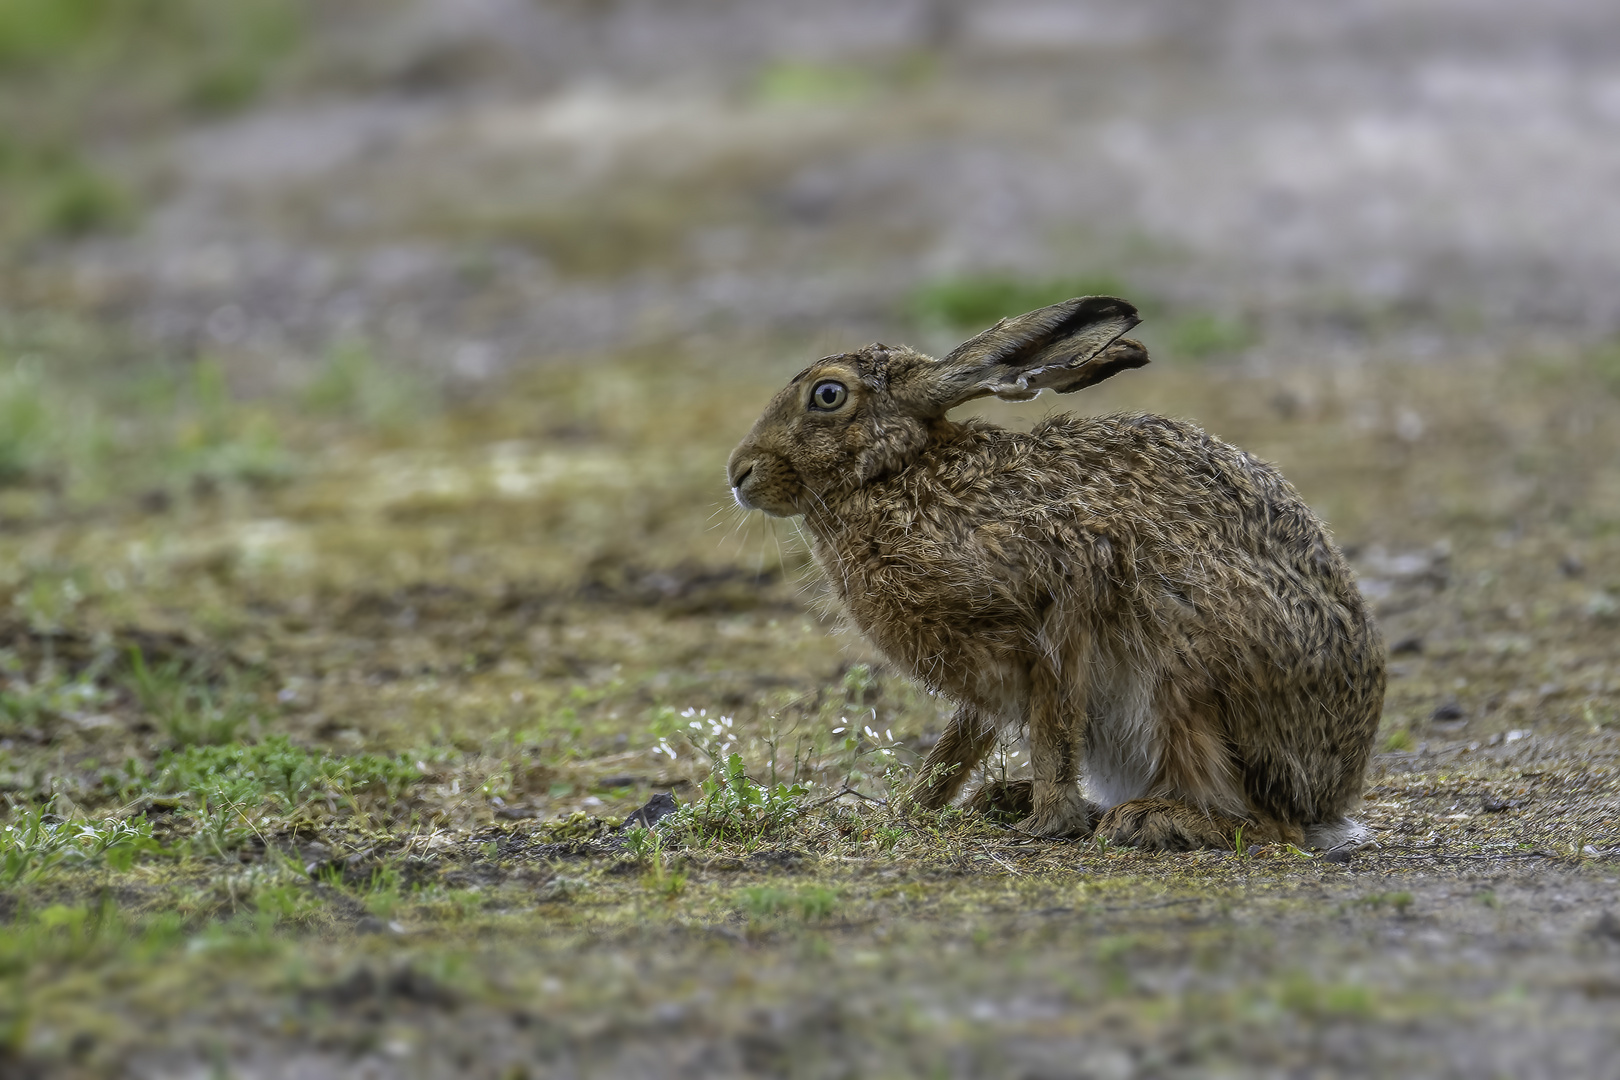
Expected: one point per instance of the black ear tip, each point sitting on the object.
(1090, 308)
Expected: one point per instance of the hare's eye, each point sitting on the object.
(828, 396)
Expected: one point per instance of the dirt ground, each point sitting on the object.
(366, 381)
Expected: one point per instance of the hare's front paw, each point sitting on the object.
(1004, 801)
(1166, 825)
(1066, 814)
(930, 796)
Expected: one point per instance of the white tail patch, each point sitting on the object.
(1343, 833)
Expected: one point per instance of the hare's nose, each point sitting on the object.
(737, 481)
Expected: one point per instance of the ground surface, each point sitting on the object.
(365, 397)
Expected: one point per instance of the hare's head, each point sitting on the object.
(848, 419)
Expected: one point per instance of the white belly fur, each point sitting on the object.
(1122, 739)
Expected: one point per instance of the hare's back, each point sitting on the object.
(1175, 490)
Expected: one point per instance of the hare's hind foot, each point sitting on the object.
(1170, 825)
(1055, 810)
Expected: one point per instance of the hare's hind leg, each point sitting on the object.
(1172, 825)
(1055, 730)
(966, 740)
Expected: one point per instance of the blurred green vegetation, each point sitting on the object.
(974, 302)
(1605, 361)
(162, 427)
(807, 82)
(798, 82)
(352, 385)
(80, 425)
(1199, 335)
(82, 80)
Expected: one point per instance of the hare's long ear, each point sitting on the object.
(1065, 347)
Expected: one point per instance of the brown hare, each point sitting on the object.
(1162, 610)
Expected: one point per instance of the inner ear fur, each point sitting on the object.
(1064, 347)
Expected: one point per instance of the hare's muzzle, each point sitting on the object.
(737, 483)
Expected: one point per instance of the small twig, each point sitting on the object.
(241, 813)
(1482, 857)
(1047, 839)
(1011, 869)
(840, 793)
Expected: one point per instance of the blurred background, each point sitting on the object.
(475, 186)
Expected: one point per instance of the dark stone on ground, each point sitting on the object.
(657, 808)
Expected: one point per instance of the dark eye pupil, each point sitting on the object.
(829, 395)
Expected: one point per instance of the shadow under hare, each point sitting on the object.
(1161, 609)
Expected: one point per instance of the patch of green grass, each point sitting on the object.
(812, 903)
(1604, 362)
(646, 846)
(277, 770)
(806, 82)
(1317, 1000)
(34, 842)
(186, 707)
(976, 301)
(383, 892)
(25, 423)
(733, 803)
(79, 201)
(288, 902)
(48, 436)
(803, 83)
(52, 191)
(221, 438)
(1398, 741)
(218, 50)
(350, 384)
(29, 704)
(1400, 901)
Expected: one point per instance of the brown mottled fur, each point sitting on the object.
(1161, 609)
